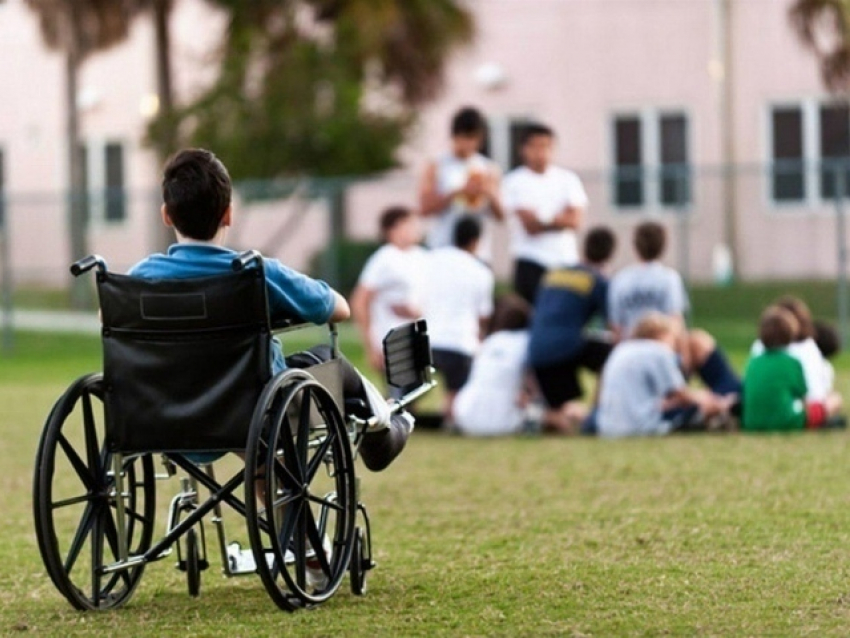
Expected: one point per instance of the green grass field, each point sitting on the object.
(723, 535)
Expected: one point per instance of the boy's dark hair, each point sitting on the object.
(468, 122)
(802, 314)
(599, 245)
(511, 312)
(650, 239)
(827, 338)
(392, 217)
(196, 191)
(535, 129)
(467, 230)
(777, 327)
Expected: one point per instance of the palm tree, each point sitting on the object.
(296, 78)
(824, 26)
(78, 28)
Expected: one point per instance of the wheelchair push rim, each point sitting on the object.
(75, 502)
(307, 503)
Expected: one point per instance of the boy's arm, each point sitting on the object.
(431, 202)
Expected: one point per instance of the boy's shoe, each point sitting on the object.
(317, 580)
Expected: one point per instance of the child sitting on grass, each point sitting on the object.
(643, 391)
(775, 388)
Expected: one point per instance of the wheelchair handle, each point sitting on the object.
(244, 259)
(87, 263)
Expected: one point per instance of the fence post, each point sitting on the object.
(840, 222)
(5, 278)
(683, 223)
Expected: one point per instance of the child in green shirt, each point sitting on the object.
(774, 395)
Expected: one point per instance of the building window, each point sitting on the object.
(834, 148)
(628, 155)
(809, 149)
(115, 195)
(105, 193)
(789, 177)
(675, 170)
(503, 143)
(643, 142)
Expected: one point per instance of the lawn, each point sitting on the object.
(690, 535)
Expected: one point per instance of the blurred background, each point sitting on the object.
(725, 119)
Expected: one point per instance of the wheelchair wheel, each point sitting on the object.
(193, 563)
(75, 502)
(302, 535)
(359, 562)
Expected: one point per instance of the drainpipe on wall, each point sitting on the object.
(723, 72)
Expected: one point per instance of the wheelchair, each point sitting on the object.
(186, 372)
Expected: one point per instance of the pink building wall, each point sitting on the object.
(573, 64)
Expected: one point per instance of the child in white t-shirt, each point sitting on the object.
(389, 290)
(458, 296)
(493, 400)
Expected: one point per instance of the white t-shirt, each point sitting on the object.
(395, 275)
(458, 291)
(488, 404)
(452, 174)
(817, 371)
(645, 287)
(547, 194)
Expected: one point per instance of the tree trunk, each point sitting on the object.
(165, 145)
(80, 290)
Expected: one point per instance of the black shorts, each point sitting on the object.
(559, 382)
(527, 277)
(453, 365)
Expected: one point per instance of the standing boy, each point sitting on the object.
(461, 182)
(545, 204)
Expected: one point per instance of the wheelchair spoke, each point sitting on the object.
(290, 515)
(113, 540)
(75, 500)
(86, 523)
(289, 497)
(88, 479)
(319, 456)
(316, 541)
(97, 556)
(303, 439)
(330, 504)
(282, 472)
(291, 459)
(92, 448)
(301, 548)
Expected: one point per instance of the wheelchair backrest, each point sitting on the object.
(185, 360)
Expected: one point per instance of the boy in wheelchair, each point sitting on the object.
(196, 191)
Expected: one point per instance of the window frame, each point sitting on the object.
(651, 168)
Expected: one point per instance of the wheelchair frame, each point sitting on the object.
(297, 429)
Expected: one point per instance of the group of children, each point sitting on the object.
(631, 332)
